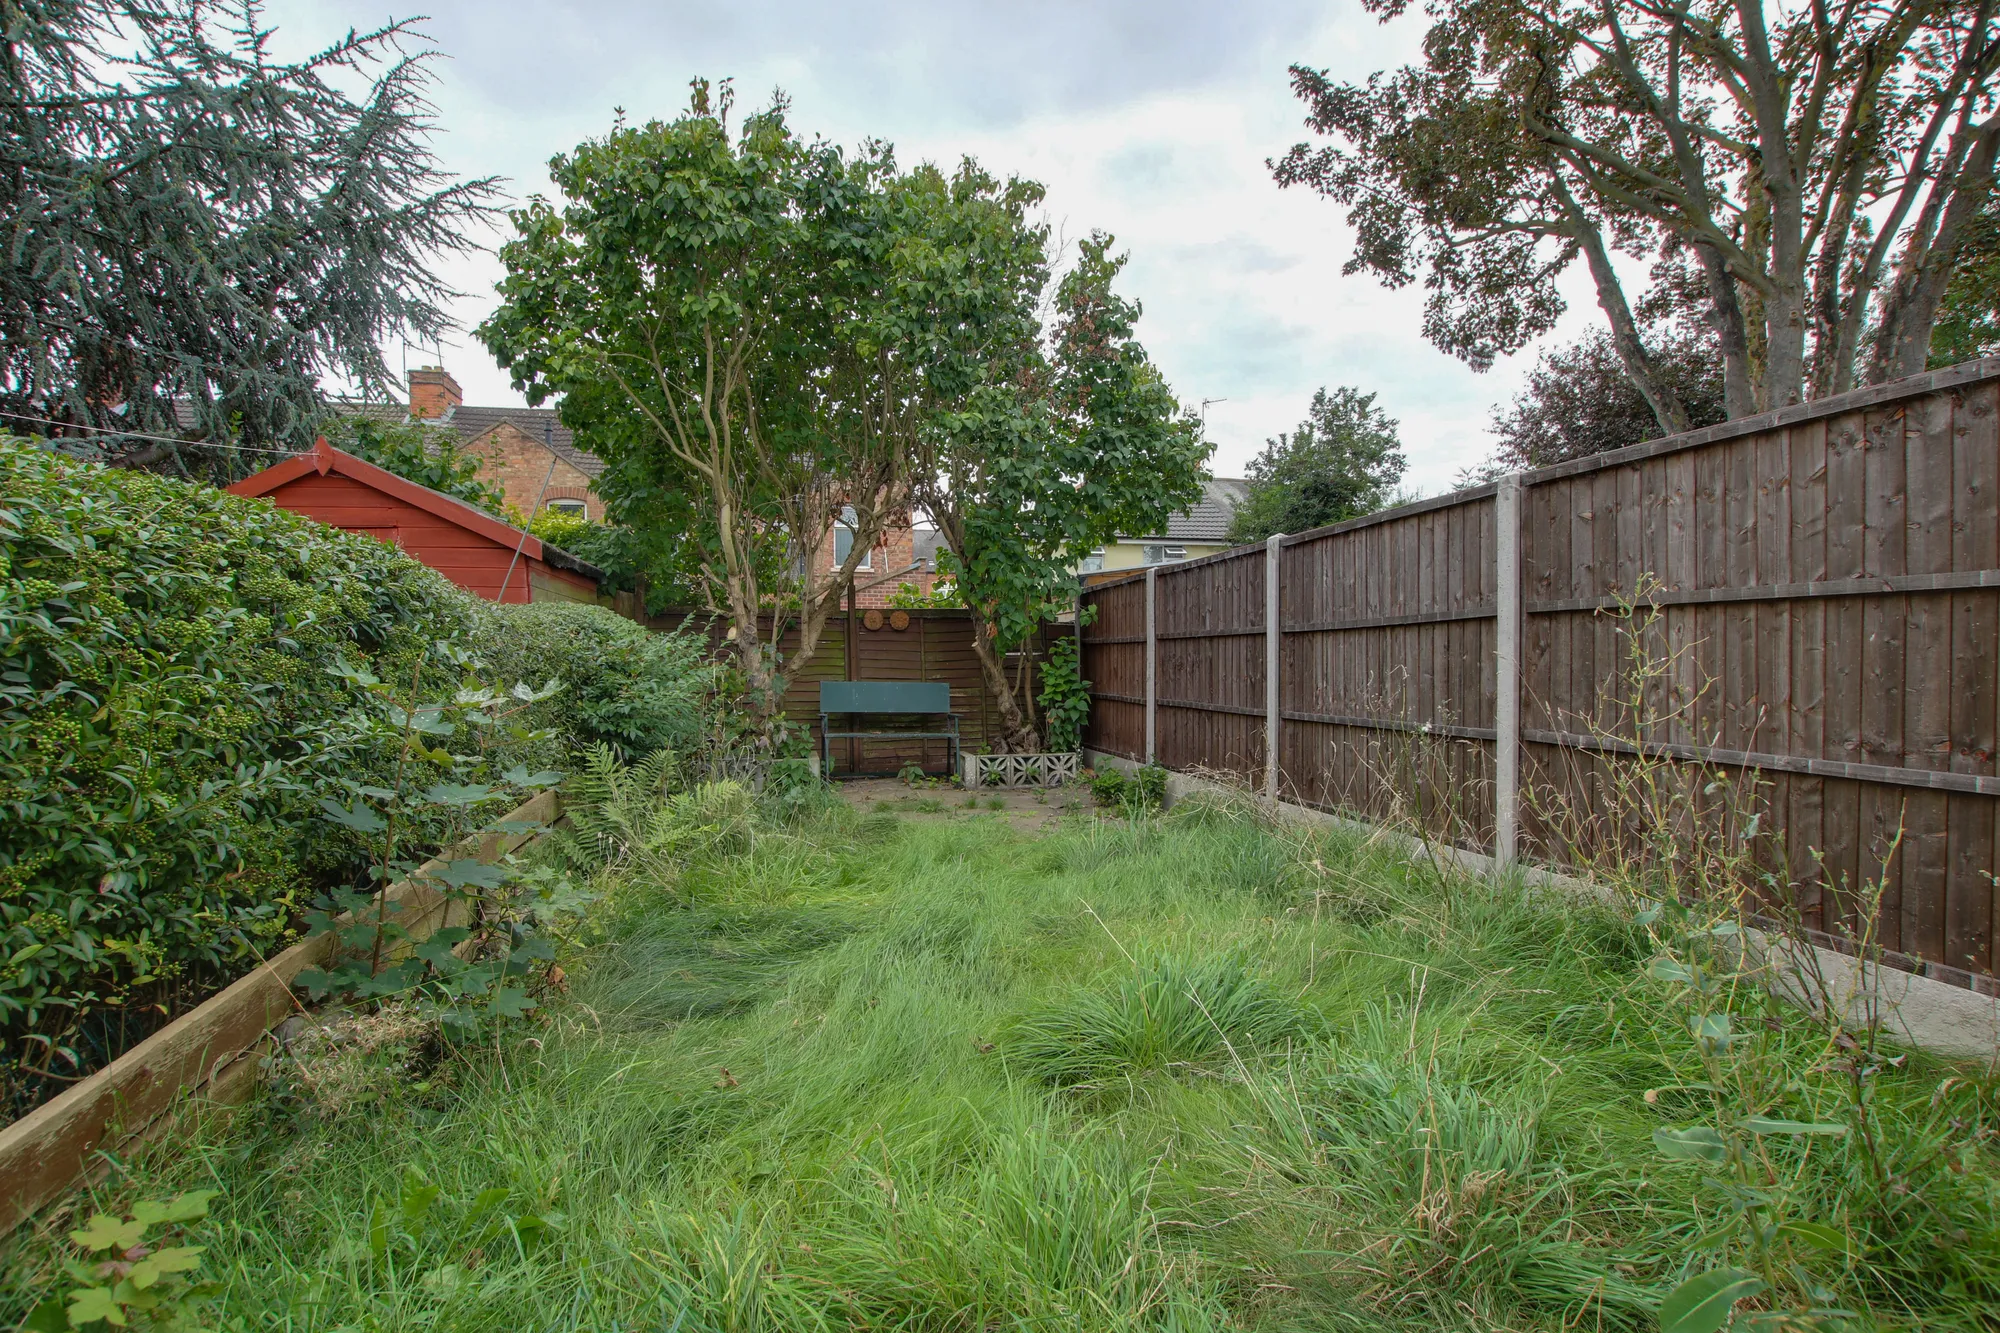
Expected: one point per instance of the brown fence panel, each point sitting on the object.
(1114, 662)
(1387, 685)
(1210, 663)
(1819, 590)
(933, 645)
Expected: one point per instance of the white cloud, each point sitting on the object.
(1150, 121)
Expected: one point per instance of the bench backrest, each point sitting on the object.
(884, 696)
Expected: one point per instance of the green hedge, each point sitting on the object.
(167, 713)
(624, 685)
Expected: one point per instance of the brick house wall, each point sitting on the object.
(515, 445)
(890, 565)
(519, 465)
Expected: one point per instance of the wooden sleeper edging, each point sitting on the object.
(50, 1150)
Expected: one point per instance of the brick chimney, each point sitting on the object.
(433, 393)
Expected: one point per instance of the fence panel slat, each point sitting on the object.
(1763, 547)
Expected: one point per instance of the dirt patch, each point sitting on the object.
(1031, 809)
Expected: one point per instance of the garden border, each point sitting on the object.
(211, 1049)
(1935, 1015)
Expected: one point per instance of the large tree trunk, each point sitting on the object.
(1725, 315)
(1640, 368)
(1910, 308)
(1017, 733)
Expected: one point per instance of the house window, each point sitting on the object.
(1177, 553)
(843, 542)
(1160, 555)
(575, 507)
(1093, 562)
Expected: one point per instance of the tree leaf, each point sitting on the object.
(469, 873)
(90, 1304)
(459, 793)
(1702, 1303)
(357, 816)
(1666, 969)
(48, 1317)
(173, 1259)
(104, 1232)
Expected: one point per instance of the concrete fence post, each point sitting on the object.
(1152, 666)
(1273, 656)
(1507, 671)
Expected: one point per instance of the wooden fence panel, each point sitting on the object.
(1810, 599)
(1210, 630)
(933, 646)
(1114, 662)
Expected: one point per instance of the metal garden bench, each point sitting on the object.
(884, 698)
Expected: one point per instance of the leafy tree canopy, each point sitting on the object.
(428, 455)
(1343, 461)
(1969, 320)
(710, 304)
(1805, 175)
(198, 233)
(1579, 401)
(1047, 438)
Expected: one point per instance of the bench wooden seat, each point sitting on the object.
(885, 699)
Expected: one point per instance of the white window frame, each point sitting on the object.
(843, 529)
(580, 508)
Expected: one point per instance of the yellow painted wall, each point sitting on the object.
(1132, 555)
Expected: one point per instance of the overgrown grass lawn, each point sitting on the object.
(1185, 1073)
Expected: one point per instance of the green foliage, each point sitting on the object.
(783, 1094)
(1142, 790)
(428, 455)
(1532, 136)
(943, 596)
(619, 683)
(168, 717)
(653, 561)
(128, 1277)
(466, 977)
(1172, 1013)
(1070, 438)
(1343, 461)
(1579, 401)
(1065, 696)
(707, 303)
(215, 230)
(633, 816)
(1968, 322)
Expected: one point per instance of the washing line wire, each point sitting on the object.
(138, 435)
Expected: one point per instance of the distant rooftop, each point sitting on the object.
(471, 422)
(1208, 521)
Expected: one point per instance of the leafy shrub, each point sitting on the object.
(623, 685)
(665, 567)
(1132, 793)
(168, 710)
(1065, 696)
(130, 1278)
(943, 596)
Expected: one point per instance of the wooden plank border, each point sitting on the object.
(53, 1148)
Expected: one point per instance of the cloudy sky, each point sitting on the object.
(1151, 119)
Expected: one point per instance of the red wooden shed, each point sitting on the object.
(468, 546)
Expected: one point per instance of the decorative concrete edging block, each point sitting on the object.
(1019, 770)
